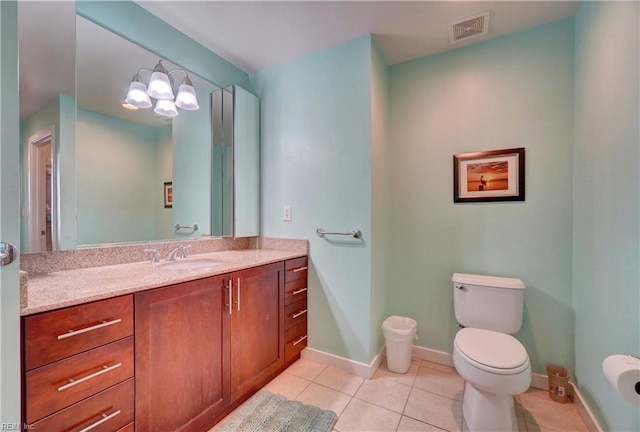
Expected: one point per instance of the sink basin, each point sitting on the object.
(189, 264)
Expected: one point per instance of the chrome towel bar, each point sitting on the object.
(193, 227)
(355, 233)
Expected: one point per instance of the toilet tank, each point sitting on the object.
(488, 302)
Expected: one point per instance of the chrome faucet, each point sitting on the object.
(155, 258)
(179, 251)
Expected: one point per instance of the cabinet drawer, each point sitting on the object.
(51, 336)
(295, 291)
(57, 385)
(296, 269)
(108, 411)
(295, 313)
(295, 341)
(128, 428)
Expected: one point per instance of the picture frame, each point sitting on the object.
(168, 194)
(486, 176)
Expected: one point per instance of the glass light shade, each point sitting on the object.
(166, 108)
(137, 95)
(160, 86)
(186, 98)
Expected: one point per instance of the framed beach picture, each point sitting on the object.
(168, 194)
(496, 175)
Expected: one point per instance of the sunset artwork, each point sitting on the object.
(488, 176)
(494, 175)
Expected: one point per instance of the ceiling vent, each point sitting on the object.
(469, 28)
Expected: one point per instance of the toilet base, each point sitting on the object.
(484, 411)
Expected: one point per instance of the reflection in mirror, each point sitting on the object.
(108, 164)
(125, 156)
(46, 32)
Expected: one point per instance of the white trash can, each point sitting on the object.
(399, 333)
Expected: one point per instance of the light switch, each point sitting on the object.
(286, 213)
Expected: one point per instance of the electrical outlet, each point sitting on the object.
(286, 213)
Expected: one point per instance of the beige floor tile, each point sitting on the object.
(436, 410)
(384, 393)
(406, 378)
(407, 424)
(439, 367)
(288, 385)
(442, 383)
(361, 416)
(306, 369)
(325, 398)
(339, 380)
(545, 414)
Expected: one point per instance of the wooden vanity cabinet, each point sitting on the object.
(182, 355)
(257, 323)
(200, 348)
(204, 344)
(78, 364)
(295, 308)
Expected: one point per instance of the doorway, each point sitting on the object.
(43, 196)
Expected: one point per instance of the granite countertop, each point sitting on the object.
(72, 287)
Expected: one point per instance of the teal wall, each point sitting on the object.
(192, 169)
(164, 173)
(316, 157)
(116, 178)
(380, 198)
(513, 91)
(59, 113)
(145, 29)
(606, 234)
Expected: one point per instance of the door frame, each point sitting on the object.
(10, 391)
(36, 190)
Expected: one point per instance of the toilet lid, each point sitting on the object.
(491, 349)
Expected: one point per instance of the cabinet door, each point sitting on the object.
(182, 362)
(257, 320)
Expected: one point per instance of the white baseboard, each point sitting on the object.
(354, 367)
(585, 412)
(431, 355)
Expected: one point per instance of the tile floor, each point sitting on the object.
(427, 398)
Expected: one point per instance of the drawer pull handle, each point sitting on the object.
(88, 329)
(104, 370)
(300, 339)
(301, 290)
(104, 418)
(297, 314)
(238, 302)
(230, 287)
(299, 269)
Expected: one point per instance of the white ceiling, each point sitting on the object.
(254, 35)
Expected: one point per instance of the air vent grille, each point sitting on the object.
(469, 28)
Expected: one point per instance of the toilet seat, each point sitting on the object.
(490, 351)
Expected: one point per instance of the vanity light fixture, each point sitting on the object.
(161, 89)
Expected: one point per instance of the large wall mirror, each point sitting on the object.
(95, 172)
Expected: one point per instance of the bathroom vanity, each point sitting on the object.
(169, 350)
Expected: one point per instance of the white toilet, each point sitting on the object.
(494, 364)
